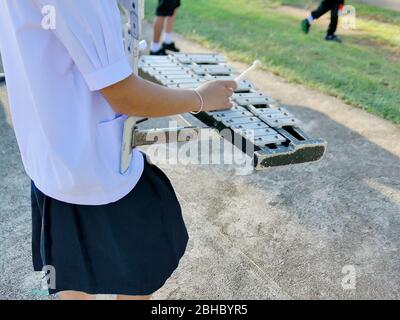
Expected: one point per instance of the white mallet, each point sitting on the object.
(243, 75)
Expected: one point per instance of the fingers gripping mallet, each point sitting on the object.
(256, 64)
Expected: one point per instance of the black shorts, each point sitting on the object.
(129, 247)
(166, 8)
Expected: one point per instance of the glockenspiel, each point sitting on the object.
(274, 133)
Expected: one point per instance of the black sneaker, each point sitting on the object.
(305, 26)
(170, 47)
(333, 37)
(160, 52)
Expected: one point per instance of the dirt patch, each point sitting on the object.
(392, 52)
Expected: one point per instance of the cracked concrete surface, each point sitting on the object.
(276, 234)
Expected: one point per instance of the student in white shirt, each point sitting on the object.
(70, 89)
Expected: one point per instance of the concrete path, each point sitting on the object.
(281, 233)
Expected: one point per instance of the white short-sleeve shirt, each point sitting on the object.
(68, 135)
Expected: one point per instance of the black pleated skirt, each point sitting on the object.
(129, 247)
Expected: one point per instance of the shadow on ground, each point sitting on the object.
(301, 225)
(282, 232)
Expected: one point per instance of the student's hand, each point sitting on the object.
(135, 96)
(216, 94)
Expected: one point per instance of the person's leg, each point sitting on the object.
(169, 27)
(323, 8)
(168, 43)
(330, 35)
(123, 297)
(334, 20)
(334, 17)
(158, 29)
(75, 295)
(159, 23)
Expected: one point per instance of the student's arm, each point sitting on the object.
(90, 31)
(135, 96)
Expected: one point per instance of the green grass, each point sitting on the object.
(364, 72)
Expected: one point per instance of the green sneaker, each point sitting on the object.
(305, 26)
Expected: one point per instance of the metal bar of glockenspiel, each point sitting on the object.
(277, 138)
(277, 117)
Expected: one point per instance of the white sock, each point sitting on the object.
(168, 38)
(155, 46)
(310, 19)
